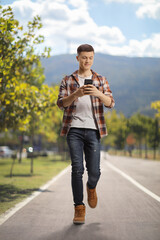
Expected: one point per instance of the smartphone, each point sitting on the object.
(88, 81)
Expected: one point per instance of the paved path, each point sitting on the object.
(124, 211)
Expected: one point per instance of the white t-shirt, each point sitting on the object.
(83, 117)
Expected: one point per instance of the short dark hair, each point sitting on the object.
(85, 48)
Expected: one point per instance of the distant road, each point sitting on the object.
(124, 211)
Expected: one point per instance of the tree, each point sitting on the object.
(130, 140)
(23, 96)
(139, 126)
(21, 69)
(117, 129)
(50, 124)
(156, 105)
(155, 130)
(154, 136)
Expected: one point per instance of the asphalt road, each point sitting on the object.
(124, 211)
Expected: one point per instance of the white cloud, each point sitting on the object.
(147, 8)
(66, 23)
(133, 1)
(146, 48)
(79, 4)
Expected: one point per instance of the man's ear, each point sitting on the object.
(77, 58)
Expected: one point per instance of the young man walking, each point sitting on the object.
(83, 123)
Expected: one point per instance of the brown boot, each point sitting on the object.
(92, 197)
(79, 216)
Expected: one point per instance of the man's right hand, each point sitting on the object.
(79, 92)
(67, 101)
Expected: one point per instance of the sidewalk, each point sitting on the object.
(123, 212)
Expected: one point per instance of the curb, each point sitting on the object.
(5, 216)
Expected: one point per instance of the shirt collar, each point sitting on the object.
(75, 74)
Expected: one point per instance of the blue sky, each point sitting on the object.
(123, 16)
(116, 27)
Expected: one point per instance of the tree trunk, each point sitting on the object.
(154, 151)
(21, 147)
(32, 143)
(11, 171)
(32, 155)
(156, 138)
(140, 149)
(32, 164)
(130, 151)
(146, 149)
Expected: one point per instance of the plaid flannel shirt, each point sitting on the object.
(69, 85)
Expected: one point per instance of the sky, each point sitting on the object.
(116, 27)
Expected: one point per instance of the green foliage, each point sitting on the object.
(154, 134)
(23, 96)
(137, 130)
(139, 125)
(156, 105)
(50, 124)
(27, 104)
(117, 127)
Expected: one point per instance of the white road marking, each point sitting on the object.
(134, 182)
(5, 216)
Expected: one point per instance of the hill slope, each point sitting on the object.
(135, 82)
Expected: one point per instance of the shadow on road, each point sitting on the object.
(79, 232)
(9, 192)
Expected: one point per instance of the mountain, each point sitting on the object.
(135, 82)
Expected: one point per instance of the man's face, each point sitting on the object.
(85, 60)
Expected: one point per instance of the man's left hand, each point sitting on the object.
(91, 90)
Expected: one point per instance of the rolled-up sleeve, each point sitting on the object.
(107, 91)
(62, 94)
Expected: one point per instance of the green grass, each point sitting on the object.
(135, 154)
(14, 189)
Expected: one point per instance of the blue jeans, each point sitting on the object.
(87, 141)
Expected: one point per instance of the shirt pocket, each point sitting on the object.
(72, 88)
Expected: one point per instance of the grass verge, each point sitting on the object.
(135, 154)
(14, 189)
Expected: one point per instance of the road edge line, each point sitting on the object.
(134, 182)
(10, 212)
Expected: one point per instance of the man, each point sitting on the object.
(84, 125)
